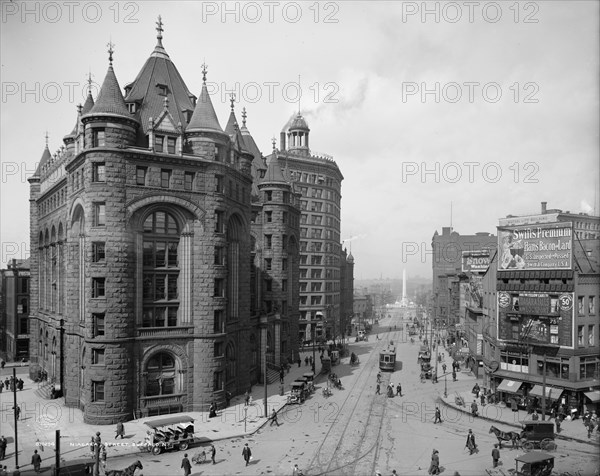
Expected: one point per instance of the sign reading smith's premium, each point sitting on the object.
(532, 247)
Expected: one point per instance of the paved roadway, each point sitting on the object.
(355, 432)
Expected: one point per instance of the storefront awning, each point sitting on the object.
(551, 392)
(593, 396)
(510, 386)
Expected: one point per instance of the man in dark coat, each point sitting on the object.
(185, 464)
(495, 455)
(471, 442)
(36, 461)
(247, 454)
(434, 467)
(213, 452)
(438, 415)
(3, 445)
(120, 430)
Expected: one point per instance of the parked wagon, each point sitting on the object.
(309, 378)
(297, 392)
(538, 434)
(535, 463)
(173, 433)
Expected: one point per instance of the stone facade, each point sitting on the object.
(148, 254)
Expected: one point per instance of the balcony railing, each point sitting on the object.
(164, 331)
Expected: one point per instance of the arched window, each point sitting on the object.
(160, 378)
(161, 270)
(230, 362)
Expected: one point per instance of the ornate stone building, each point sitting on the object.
(165, 252)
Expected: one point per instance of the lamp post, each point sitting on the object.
(16, 416)
(445, 386)
(263, 325)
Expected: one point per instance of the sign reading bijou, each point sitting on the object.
(533, 247)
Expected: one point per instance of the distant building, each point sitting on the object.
(447, 249)
(14, 301)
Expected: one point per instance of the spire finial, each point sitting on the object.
(273, 141)
(204, 71)
(89, 81)
(111, 50)
(159, 29)
(46, 136)
(232, 99)
(244, 116)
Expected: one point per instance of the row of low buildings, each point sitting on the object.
(522, 307)
(171, 261)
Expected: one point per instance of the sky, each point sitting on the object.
(437, 113)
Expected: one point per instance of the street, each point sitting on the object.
(355, 432)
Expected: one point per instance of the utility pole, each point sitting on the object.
(16, 414)
(57, 451)
(544, 389)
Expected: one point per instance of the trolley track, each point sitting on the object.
(341, 451)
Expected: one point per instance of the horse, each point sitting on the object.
(511, 436)
(127, 471)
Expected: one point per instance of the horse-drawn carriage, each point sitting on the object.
(298, 392)
(535, 463)
(309, 379)
(174, 433)
(538, 434)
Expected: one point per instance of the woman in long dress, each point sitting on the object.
(434, 467)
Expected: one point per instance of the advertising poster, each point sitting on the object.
(535, 247)
(475, 261)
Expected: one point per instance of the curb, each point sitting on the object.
(557, 435)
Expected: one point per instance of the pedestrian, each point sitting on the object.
(495, 455)
(2, 364)
(274, 418)
(377, 390)
(213, 452)
(185, 464)
(474, 409)
(434, 467)
(247, 398)
(444, 367)
(17, 411)
(310, 359)
(212, 411)
(438, 415)
(3, 471)
(306, 361)
(557, 423)
(482, 398)
(227, 398)
(299, 362)
(295, 470)
(470, 444)
(20, 384)
(36, 461)
(281, 374)
(3, 445)
(454, 375)
(399, 390)
(120, 430)
(247, 454)
(92, 445)
(1, 385)
(535, 416)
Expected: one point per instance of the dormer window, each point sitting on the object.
(131, 107)
(162, 89)
(159, 143)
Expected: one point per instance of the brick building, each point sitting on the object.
(165, 252)
(14, 311)
(324, 266)
(447, 250)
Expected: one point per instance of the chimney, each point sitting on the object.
(544, 208)
(282, 140)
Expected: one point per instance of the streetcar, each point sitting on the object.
(387, 358)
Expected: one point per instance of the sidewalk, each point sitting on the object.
(499, 412)
(40, 418)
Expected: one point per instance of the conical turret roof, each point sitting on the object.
(110, 100)
(46, 156)
(204, 117)
(89, 103)
(274, 173)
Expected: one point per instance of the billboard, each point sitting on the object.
(536, 318)
(475, 261)
(535, 247)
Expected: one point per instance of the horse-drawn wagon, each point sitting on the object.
(536, 463)
(538, 434)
